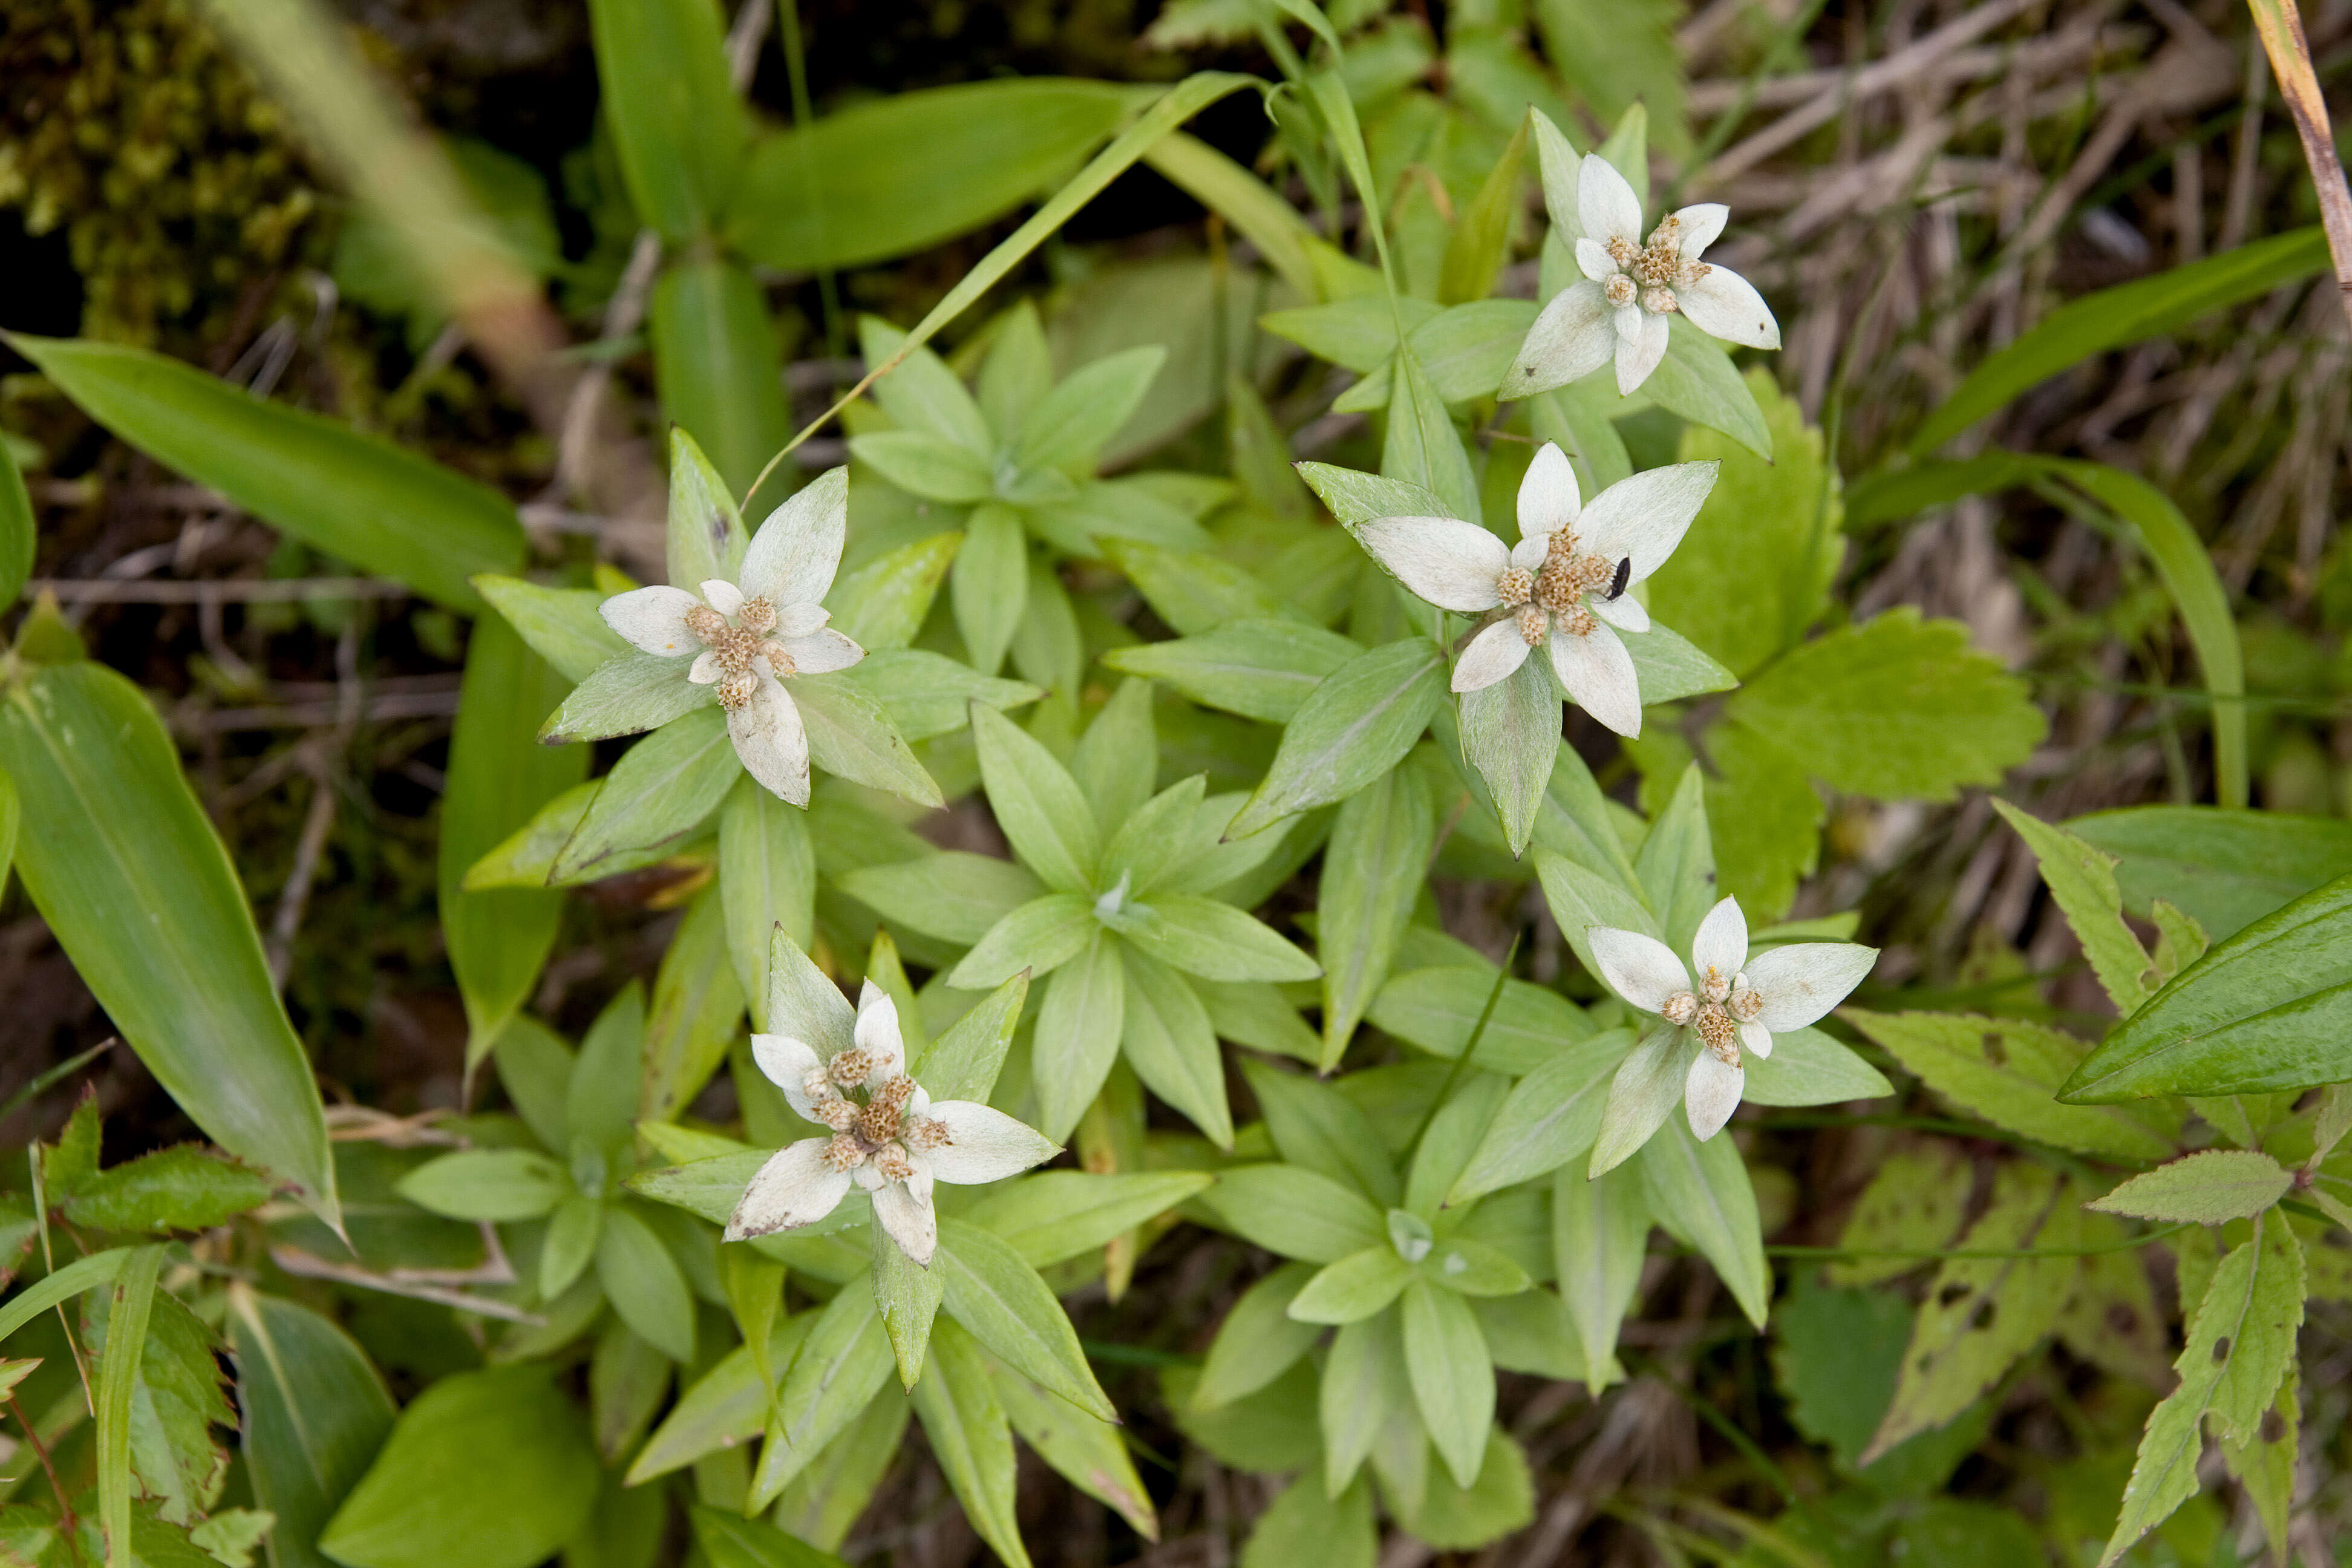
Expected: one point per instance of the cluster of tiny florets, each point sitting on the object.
(1553, 595)
(879, 1129)
(1653, 273)
(737, 647)
(1728, 1004)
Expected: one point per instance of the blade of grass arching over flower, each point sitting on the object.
(2290, 55)
(1180, 102)
(2197, 593)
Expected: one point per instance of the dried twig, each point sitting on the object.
(2290, 53)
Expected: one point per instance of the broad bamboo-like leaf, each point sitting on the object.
(141, 895)
(351, 495)
(498, 779)
(315, 1413)
(716, 358)
(677, 126)
(16, 528)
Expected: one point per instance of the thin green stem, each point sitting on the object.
(1469, 1048)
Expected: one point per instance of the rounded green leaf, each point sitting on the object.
(493, 1469)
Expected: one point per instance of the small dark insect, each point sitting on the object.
(1617, 583)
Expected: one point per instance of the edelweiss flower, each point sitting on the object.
(771, 623)
(1631, 286)
(894, 1142)
(1736, 1005)
(1563, 586)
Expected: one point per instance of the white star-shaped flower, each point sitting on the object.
(1563, 586)
(889, 1137)
(1629, 288)
(770, 623)
(1734, 1004)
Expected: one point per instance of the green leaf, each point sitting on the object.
(494, 1185)
(600, 1103)
(677, 127)
(729, 1403)
(315, 1411)
(971, 1438)
(843, 1361)
(181, 1188)
(17, 529)
(1667, 666)
(999, 1300)
(697, 1004)
(1315, 1126)
(1365, 1386)
(824, 1501)
(1897, 707)
(12, 817)
(1037, 803)
(883, 604)
(659, 793)
(1069, 427)
(1422, 446)
(767, 883)
(1807, 1067)
(1437, 1010)
(1511, 735)
(1676, 865)
(1257, 213)
(1481, 240)
(1766, 819)
(1079, 1025)
(499, 939)
(1353, 727)
(1617, 56)
(898, 174)
(570, 1244)
(2083, 880)
(1500, 1502)
(1550, 1117)
(1259, 1341)
(1295, 1212)
(1445, 1145)
(1216, 941)
(1195, 591)
(642, 1282)
(730, 1540)
(1089, 1453)
(1754, 571)
(954, 895)
(928, 694)
(1167, 1038)
(2241, 1344)
(1697, 379)
(964, 1061)
(487, 1467)
(938, 469)
(850, 737)
(2208, 1187)
(62, 1284)
(1981, 1314)
(2005, 1070)
(2189, 576)
(906, 1297)
(705, 537)
(1700, 1192)
(2226, 868)
(1599, 1227)
(1259, 668)
(1115, 760)
(2112, 318)
(624, 696)
(1053, 1216)
(2265, 1010)
(1452, 1377)
(131, 1296)
(354, 496)
(2263, 1463)
(139, 892)
(716, 363)
(1354, 1288)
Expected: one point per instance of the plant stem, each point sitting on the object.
(2290, 53)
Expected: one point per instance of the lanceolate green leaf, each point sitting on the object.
(17, 529)
(498, 778)
(676, 124)
(2271, 1009)
(141, 895)
(901, 173)
(2112, 318)
(315, 1414)
(351, 495)
(715, 360)
(1259, 213)
(117, 1385)
(2226, 868)
(1353, 727)
(1701, 1192)
(767, 883)
(1001, 1302)
(656, 794)
(966, 1423)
